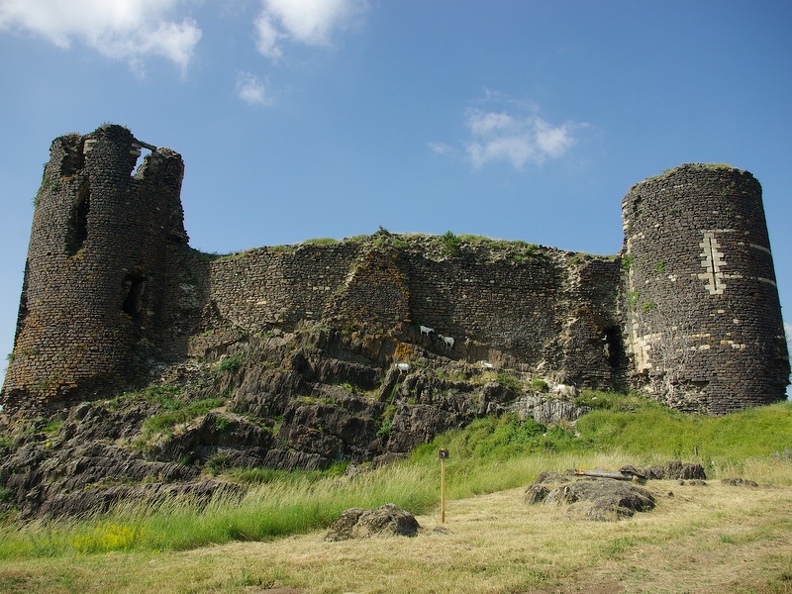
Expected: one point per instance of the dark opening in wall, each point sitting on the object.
(134, 288)
(77, 231)
(23, 304)
(615, 347)
(73, 158)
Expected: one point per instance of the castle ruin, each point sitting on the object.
(687, 313)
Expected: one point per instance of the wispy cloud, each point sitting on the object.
(129, 30)
(251, 90)
(441, 148)
(310, 22)
(516, 138)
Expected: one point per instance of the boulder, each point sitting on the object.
(385, 520)
(599, 499)
(677, 470)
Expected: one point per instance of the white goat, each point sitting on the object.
(403, 367)
(486, 365)
(426, 330)
(449, 340)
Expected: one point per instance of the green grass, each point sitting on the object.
(281, 506)
(489, 455)
(180, 412)
(162, 395)
(320, 241)
(755, 432)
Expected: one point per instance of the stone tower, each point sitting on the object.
(99, 279)
(704, 325)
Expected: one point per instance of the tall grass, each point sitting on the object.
(489, 455)
(286, 506)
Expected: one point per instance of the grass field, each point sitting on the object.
(712, 538)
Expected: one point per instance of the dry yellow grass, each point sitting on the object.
(701, 539)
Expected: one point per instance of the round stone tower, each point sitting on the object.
(704, 326)
(99, 276)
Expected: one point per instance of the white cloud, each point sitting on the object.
(128, 30)
(516, 139)
(306, 21)
(268, 35)
(441, 148)
(251, 90)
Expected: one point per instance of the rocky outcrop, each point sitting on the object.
(301, 400)
(598, 499)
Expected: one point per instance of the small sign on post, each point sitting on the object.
(443, 455)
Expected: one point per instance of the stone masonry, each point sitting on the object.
(688, 312)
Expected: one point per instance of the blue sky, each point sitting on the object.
(298, 119)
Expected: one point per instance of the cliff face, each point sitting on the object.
(139, 360)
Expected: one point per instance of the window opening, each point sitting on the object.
(134, 289)
(77, 231)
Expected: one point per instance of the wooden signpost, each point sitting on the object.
(443, 455)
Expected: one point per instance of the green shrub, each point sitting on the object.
(229, 364)
(627, 262)
(452, 245)
(539, 385)
(648, 306)
(217, 463)
(386, 421)
(510, 382)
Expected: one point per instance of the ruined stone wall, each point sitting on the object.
(537, 310)
(705, 324)
(689, 311)
(99, 275)
(268, 287)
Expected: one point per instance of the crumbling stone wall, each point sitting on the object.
(689, 311)
(536, 310)
(704, 318)
(101, 268)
